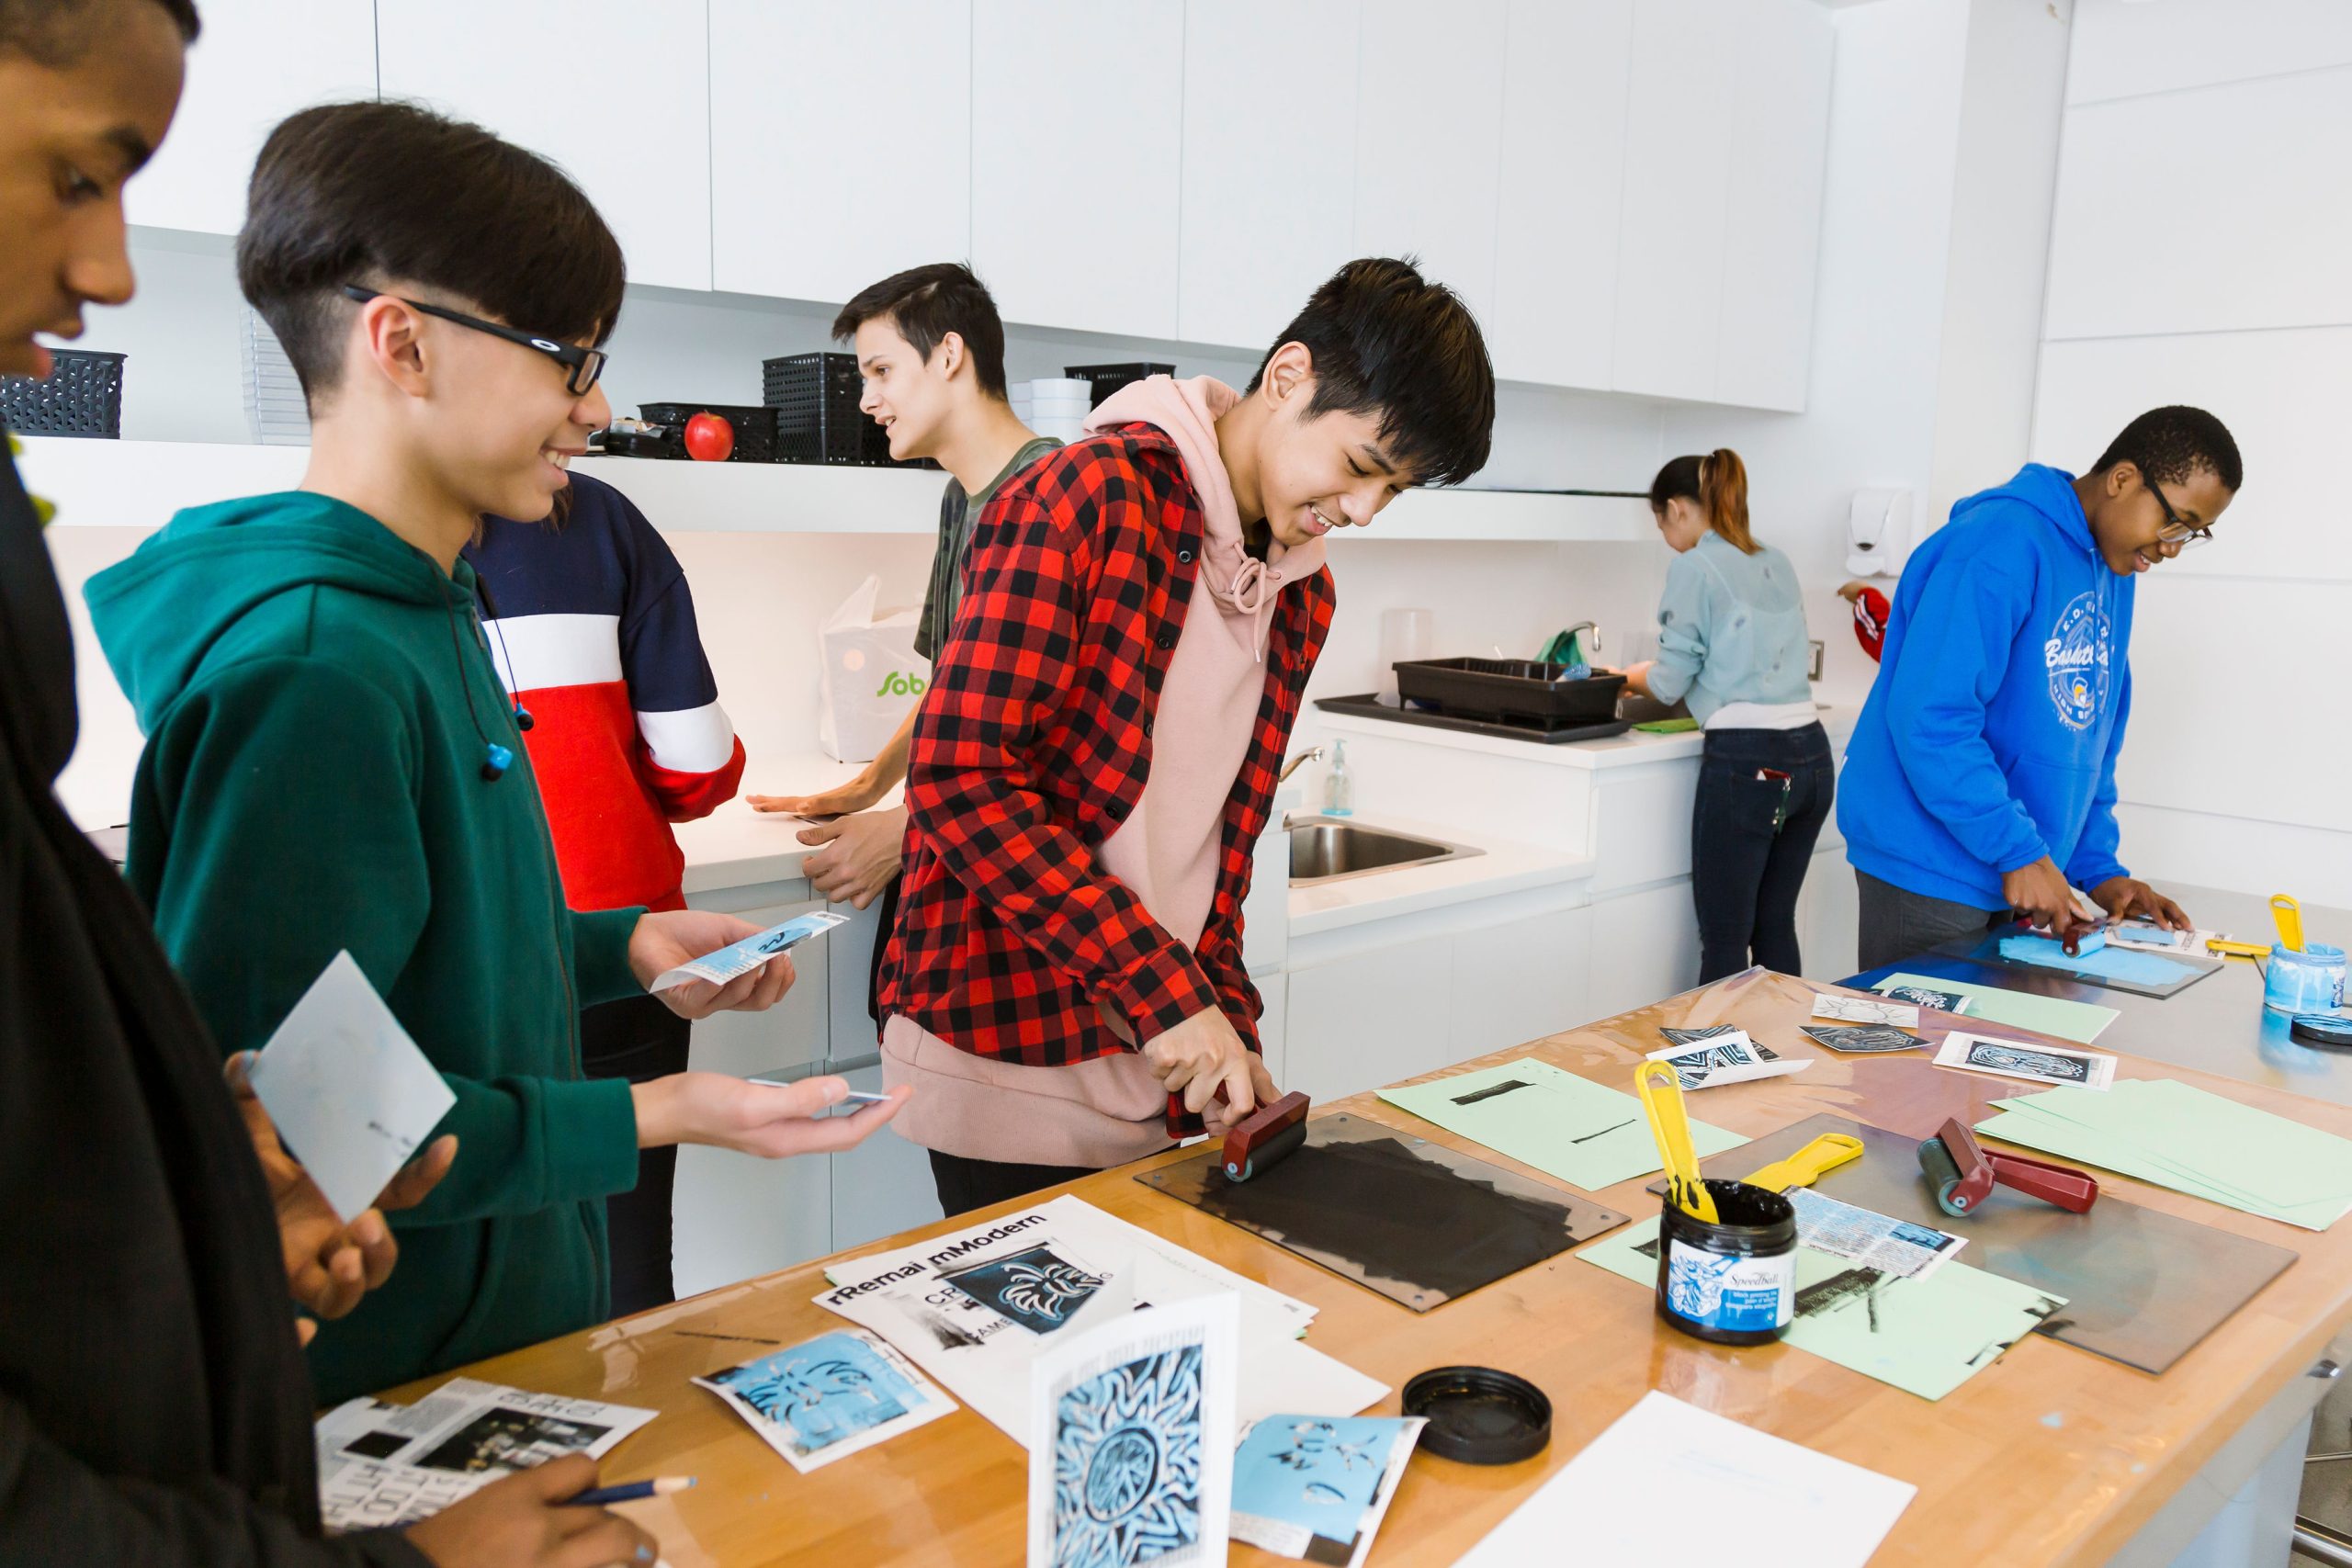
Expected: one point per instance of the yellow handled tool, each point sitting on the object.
(2290, 916)
(2222, 947)
(1809, 1164)
(1661, 1092)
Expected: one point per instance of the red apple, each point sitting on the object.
(709, 438)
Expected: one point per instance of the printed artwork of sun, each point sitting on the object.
(1127, 1463)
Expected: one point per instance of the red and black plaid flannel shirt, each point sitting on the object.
(1032, 748)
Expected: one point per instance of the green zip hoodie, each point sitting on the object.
(317, 704)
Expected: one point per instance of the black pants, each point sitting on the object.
(967, 1184)
(1898, 923)
(1751, 838)
(637, 1039)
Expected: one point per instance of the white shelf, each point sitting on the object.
(139, 484)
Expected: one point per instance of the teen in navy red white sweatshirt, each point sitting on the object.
(591, 629)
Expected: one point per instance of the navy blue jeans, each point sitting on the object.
(1752, 832)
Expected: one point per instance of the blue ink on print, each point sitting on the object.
(832, 1387)
(1127, 1452)
(1037, 1287)
(1320, 1473)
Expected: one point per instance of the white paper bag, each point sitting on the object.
(872, 677)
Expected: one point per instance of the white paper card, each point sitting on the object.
(1134, 1457)
(1726, 1058)
(2035, 1063)
(741, 957)
(1858, 1010)
(352, 1097)
(1625, 1501)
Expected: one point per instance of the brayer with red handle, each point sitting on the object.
(1964, 1174)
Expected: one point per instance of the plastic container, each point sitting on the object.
(2310, 980)
(1507, 690)
(815, 397)
(1339, 784)
(1479, 1416)
(1734, 1283)
(1104, 379)
(82, 395)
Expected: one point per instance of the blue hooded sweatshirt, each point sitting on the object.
(1990, 738)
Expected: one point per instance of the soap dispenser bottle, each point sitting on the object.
(1339, 784)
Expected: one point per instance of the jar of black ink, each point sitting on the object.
(1733, 1282)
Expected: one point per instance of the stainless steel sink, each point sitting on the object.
(1331, 849)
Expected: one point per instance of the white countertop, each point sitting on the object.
(1632, 749)
(738, 847)
(1505, 866)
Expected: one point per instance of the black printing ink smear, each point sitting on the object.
(1396, 1216)
(1490, 1091)
(1604, 1132)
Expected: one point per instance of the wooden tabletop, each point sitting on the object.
(2050, 1455)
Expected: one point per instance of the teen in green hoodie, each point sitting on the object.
(332, 763)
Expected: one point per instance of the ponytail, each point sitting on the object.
(1717, 485)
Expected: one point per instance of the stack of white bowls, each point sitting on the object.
(1054, 406)
(275, 410)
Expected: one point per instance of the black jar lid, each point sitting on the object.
(1480, 1416)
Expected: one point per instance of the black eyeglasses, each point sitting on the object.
(2187, 535)
(582, 365)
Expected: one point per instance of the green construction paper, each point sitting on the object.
(2079, 1021)
(2182, 1137)
(1668, 727)
(1586, 1135)
(1924, 1336)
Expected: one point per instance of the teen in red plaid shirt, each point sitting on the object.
(1097, 755)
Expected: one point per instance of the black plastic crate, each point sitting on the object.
(1104, 379)
(755, 432)
(82, 395)
(815, 397)
(1509, 689)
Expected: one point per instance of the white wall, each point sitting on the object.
(2239, 744)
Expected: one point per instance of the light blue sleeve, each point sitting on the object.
(1682, 623)
(1955, 653)
(2094, 859)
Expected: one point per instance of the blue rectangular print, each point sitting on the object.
(1319, 1472)
(832, 1388)
(1127, 1455)
(1037, 1287)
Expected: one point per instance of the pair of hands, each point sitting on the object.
(858, 853)
(2040, 891)
(1203, 1055)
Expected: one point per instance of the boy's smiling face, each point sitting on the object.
(1317, 473)
(2128, 513)
(909, 398)
(71, 133)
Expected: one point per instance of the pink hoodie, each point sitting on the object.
(1110, 1110)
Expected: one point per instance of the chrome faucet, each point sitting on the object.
(1313, 753)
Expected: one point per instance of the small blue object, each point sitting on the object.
(2306, 980)
(496, 760)
(2126, 965)
(603, 1497)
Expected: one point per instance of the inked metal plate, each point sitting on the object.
(1415, 1220)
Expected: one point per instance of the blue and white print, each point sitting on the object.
(1127, 1455)
(830, 1397)
(1317, 1483)
(1037, 1287)
(2078, 656)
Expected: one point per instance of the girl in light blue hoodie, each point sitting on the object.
(1731, 639)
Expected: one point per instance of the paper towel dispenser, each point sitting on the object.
(1878, 531)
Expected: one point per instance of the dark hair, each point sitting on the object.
(2169, 444)
(926, 303)
(1717, 485)
(392, 194)
(56, 33)
(1388, 342)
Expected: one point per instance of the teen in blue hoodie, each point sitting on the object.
(1981, 779)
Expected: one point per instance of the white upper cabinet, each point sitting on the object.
(1779, 156)
(2123, 49)
(1076, 121)
(255, 62)
(841, 140)
(1262, 230)
(1565, 79)
(1679, 127)
(1428, 138)
(616, 93)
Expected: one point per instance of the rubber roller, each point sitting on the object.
(1963, 1174)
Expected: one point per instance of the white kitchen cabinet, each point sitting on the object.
(793, 1034)
(736, 1215)
(1680, 118)
(841, 143)
(1644, 946)
(1519, 982)
(616, 93)
(1374, 1018)
(1273, 1026)
(1565, 82)
(1773, 206)
(1428, 138)
(1260, 231)
(852, 1033)
(1077, 122)
(882, 1186)
(255, 62)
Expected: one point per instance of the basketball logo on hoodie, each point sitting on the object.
(2077, 654)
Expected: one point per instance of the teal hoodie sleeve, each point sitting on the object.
(2094, 859)
(1682, 622)
(274, 797)
(1971, 620)
(600, 970)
